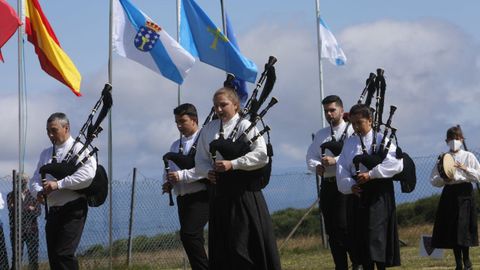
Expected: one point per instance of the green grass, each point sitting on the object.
(307, 253)
(299, 253)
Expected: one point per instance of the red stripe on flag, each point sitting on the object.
(45, 63)
(44, 20)
(52, 58)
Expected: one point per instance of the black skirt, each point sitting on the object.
(241, 232)
(456, 218)
(376, 233)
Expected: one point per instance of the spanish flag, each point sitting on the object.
(9, 23)
(52, 58)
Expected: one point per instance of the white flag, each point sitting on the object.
(330, 48)
(137, 37)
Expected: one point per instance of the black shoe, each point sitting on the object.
(357, 267)
(467, 265)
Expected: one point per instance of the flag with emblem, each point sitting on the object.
(137, 37)
(53, 60)
(200, 36)
(9, 23)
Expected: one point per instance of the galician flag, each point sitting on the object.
(330, 48)
(137, 37)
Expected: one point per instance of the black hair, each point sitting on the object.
(331, 99)
(361, 109)
(454, 133)
(186, 109)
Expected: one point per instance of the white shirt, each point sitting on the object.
(314, 153)
(2, 202)
(82, 178)
(352, 147)
(460, 176)
(255, 159)
(188, 178)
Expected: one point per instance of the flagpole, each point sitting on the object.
(320, 76)
(110, 139)
(224, 22)
(320, 68)
(21, 137)
(178, 40)
(21, 92)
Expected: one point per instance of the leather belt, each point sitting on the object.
(332, 179)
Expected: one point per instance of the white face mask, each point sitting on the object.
(454, 145)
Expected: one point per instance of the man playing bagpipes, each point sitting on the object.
(68, 180)
(67, 209)
(376, 235)
(192, 196)
(321, 159)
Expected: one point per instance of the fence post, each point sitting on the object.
(298, 224)
(17, 217)
(323, 232)
(130, 225)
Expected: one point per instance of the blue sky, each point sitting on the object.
(429, 50)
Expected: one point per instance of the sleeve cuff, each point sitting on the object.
(234, 164)
(182, 176)
(60, 184)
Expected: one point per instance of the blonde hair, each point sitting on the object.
(230, 94)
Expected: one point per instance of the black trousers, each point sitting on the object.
(337, 211)
(193, 214)
(64, 230)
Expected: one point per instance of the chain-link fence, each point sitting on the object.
(145, 232)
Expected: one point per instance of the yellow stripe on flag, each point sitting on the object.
(52, 58)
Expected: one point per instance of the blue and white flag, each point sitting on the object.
(137, 37)
(330, 48)
(240, 85)
(200, 36)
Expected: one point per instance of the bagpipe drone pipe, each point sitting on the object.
(231, 148)
(376, 85)
(97, 191)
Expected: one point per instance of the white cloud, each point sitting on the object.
(431, 69)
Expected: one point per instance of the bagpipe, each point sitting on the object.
(334, 146)
(231, 148)
(376, 86)
(97, 191)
